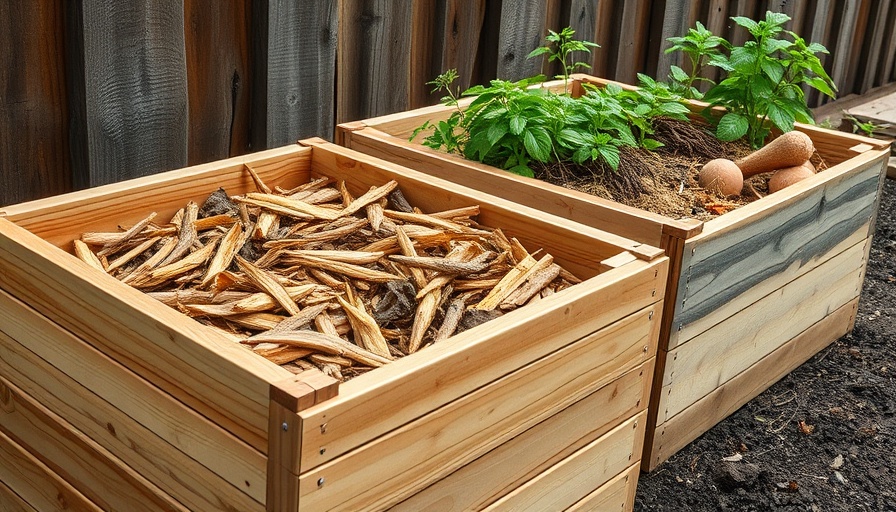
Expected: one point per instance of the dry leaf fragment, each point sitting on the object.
(806, 428)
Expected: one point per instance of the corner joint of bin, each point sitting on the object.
(304, 390)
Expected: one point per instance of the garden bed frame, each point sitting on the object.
(112, 400)
(752, 294)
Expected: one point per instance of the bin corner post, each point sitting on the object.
(287, 399)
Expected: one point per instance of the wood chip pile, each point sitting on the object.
(314, 277)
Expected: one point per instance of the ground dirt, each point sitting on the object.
(821, 439)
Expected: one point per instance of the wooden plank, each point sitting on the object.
(35, 483)
(736, 34)
(158, 456)
(34, 106)
(795, 270)
(133, 89)
(433, 446)
(822, 32)
(295, 71)
(852, 25)
(425, 45)
(520, 459)
(12, 502)
(727, 398)
(218, 54)
(697, 367)
(740, 250)
(887, 68)
(577, 206)
(373, 63)
(573, 479)
(186, 359)
(632, 44)
(874, 46)
(618, 493)
(462, 28)
(523, 28)
(60, 219)
(676, 23)
(90, 469)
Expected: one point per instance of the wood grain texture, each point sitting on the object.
(133, 89)
(12, 502)
(719, 266)
(613, 495)
(676, 22)
(34, 159)
(154, 444)
(431, 447)
(196, 365)
(102, 478)
(461, 35)
(879, 28)
(633, 39)
(35, 483)
(695, 368)
(295, 71)
(219, 79)
(573, 479)
(523, 28)
(151, 411)
(527, 455)
(373, 64)
(729, 397)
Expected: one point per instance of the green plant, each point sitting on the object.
(868, 128)
(561, 47)
(700, 46)
(762, 88)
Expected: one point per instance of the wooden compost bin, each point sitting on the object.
(113, 400)
(752, 294)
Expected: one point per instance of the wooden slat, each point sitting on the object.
(133, 88)
(60, 219)
(523, 28)
(218, 53)
(425, 45)
(12, 502)
(727, 398)
(845, 61)
(294, 70)
(33, 107)
(477, 422)
(89, 468)
(421, 382)
(632, 46)
(573, 479)
(520, 459)
(676, 22)
(697, 367)
(192, 362)
(739, 250)
(34, 483)
(822, 32)
(618, 493)
(463, 23)
(875, 39)
(373, 73)
(154, 442)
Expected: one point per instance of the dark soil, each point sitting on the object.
(821, 439)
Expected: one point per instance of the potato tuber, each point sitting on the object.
(721, 176)
(789, 150)
(788, 176)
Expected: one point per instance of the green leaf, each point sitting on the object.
(781, 117)
(651, 144)
(732, 127)
(773, 69)
(821, 85)
(776, 18)
(817, 48)
(743, 59)
(610, 154)
(538, 51)
(679, 74)
(517, 124)
(745, 22)
(522, 170)
(535, 145)
(495, 132)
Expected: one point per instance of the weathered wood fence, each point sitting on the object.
(96, 91)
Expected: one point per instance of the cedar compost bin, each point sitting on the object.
(113, 400)
(752, 293)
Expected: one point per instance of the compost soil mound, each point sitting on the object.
(664, 181)
(821, 439)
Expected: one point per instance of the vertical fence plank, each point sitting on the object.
(887, 62)
(218, 79)
(133, 89)
(850, 30)
(463, 23)
(295, 55)
(821, 32)
(735, 34)
(591, 19)
(373, 58)
(634, 34)
(677, 21)
(523, 26)
(33, 109)
(875, 39)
